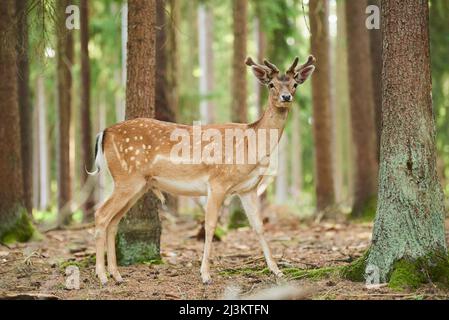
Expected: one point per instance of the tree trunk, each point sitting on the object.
(343, 143)
(86, 130)
(14, 221)
(322, 113)
(408, 235)
(26, 126)
(64, 99)
(173, 57)
(362, 110)
(206, 56)
(375, 38)
(260, 45)
(44, 180)
(239, 90)
(139, 232)
(238, 82)
(164, 110)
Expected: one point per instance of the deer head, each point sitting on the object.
(282, 86)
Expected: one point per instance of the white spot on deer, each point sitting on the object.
(141, 138)
(131, 148)
(141, 125)
(157, 148)
(137, 152)
(124, 132)
(133, 158)
(127, 140)
(135, 138)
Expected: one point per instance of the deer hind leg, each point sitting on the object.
(214, 202)
(111, 233)
(118, 200)
(251, 206)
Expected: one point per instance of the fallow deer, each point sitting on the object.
(139, 156)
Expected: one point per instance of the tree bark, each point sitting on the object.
(409, 225)
(26, 112)
(173, 57)
(86, 129)
(375, 38)
(322, 113)
(239, 85)
(64, 100)
(14, 221)
(139, 232)
(44, 180)
(362, 110)
(164, 109)
(239, 90)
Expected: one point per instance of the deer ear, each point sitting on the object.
(261, 74)
(304, 73)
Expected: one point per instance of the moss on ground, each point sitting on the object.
(81, 264)
(291, 273)
(356, 270)
(20, 230)
(405, 273)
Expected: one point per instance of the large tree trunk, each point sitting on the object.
(408, 235)
(362, 110)
(322, 113)
(375, 37)
(26, 112)
(86, 130)
(139, 232)
(206, 56)
(14, 221)
(64, 99)
(239, 91)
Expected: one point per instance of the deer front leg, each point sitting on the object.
(214, 202)
(251, 206)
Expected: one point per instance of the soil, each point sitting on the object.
(37, 269)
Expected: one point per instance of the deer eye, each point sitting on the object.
(271, 85)
(296, 85)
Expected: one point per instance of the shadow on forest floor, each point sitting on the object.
(38, 268)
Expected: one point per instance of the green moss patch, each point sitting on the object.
(313, 274)
(411, 274)
(20, 230)
(356, 270)
(136, 253)
(81, 264)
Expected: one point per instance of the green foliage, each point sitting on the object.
(367, 213)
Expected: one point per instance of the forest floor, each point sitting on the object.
(38, 268)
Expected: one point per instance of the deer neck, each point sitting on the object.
(274, 116)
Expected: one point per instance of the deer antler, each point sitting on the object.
(272, 67)
(310, 61)
(291, 70)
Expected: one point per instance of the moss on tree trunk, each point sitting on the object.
(409, 245)
(14, 221)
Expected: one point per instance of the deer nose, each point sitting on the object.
(286, 97)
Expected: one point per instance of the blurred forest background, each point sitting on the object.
(72, 85)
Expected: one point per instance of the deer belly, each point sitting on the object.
(248, 184)
(191, 187)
